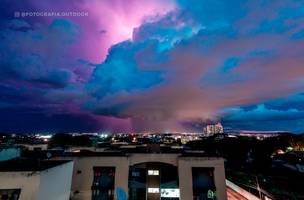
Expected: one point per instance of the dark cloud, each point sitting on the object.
(36, 55)
(194, 61)
(36, 122)
(204, 71)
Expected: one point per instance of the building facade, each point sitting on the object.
(151, 176)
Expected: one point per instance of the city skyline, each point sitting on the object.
(85, 66)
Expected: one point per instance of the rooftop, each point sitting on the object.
(29, 165)
(118, 151)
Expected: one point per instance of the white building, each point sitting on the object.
(36, 147)
(35, 180)
(212, 129)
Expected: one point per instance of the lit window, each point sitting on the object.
(153, 190)
(153, 172)
(169, 193)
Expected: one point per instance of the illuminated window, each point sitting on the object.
(153, 172)
(153, 190)
(169, 193)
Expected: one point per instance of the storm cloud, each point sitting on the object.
(178, 62)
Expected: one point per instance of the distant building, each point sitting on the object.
(260, 135)
(213, 129)
(35, 180)
(147, 173)
(35, 146)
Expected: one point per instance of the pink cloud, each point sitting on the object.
(111, 22)
(108, 21)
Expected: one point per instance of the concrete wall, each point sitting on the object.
(137, 158)
(28, 182)
(82, 181)
(51, 184)
(55, 183)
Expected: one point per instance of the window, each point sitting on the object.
(137, 183)
(135, 174)
(9, 194)
(153, 172)
(203, 183)
(169, 193)
(103, 183)
(153, 190)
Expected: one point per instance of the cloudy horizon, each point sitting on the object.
(151, 65)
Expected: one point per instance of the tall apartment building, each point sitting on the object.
(212, 129)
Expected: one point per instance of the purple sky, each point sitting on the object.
(151, 65)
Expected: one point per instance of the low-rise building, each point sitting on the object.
(36, 147)
(147, 175)
(35, 179)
